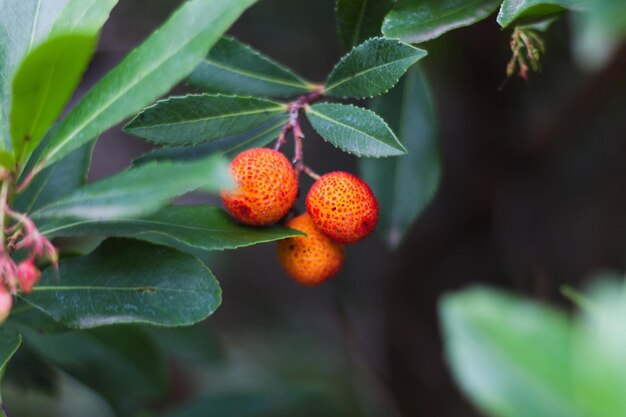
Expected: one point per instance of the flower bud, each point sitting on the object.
(28, 275)
(6, 302)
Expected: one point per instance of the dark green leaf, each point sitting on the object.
(235, 68)
(515, 11)
(83, 16)
(43, 84)
(128, 281)
(23, 24)
(23, 315)
(255, 138)
(203, 227)
(510, 356)
(191, 343)
(10, 342)
(417, 21)
(122, 363)
(57, 181)
(140, 191)
(354, 130)
(405, 185)
(196, 119)
(371, 68)
(146, 73)
(358, 20)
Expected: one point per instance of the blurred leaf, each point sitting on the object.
(358, 20)
(417, 21)
(42, 85)
(250, 404)
(24, 315)
(122, 363)
(522, 11)
(355, 130)
(510, 356)
(235, 68)
(196, 119)
(55, 182)
(23, 24)
(140, 191)
(230, 146)
(169, 54)
(608, 15)
(83, 15)
(191, 343)
(599, 373)
(10, 342)
(371, 68)
(128, 281)
(405, 185)
(203, 227)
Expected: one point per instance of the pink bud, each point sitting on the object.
(28, 275)
(6, 302)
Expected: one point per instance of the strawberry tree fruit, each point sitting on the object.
(267, 187)
(312, 259)
(343, 207)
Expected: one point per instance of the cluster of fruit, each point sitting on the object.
(341, 208)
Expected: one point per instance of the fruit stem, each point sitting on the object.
(308, 171)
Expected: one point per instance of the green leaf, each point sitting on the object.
(516, 11)
(203, 227)
(140, 191)
(510, 356)
(43, 84)
(83, 16)
(196, 119)
(417, 21)
(10, 342)
(146, 73)
(128, 281)
(355, 130)
(23, 24)
(358, 20)
(55, 182)
(405, 185)
(235, 68)
(197, 343)
(371, 68)
(255, 138)
(121, 363)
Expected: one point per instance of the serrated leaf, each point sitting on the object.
(203, 227)
(371, 68)
(42, 85)
(404, 186)
(510, 356)
(128, 281)
(515, 11)
(355, 130)
(417, 21)
(359, 20)
(83, 16)
(140, 191)
(23, 24)
(196, 119)
(121, 363)
(254, 138)
(233, 67)
(146, 73)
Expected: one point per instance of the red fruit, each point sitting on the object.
(312, 259)
(267, 187)
(6, 302)
(27, 275)
(343, 207)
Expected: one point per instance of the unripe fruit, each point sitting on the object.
(343, 207)
(311, 259)
(267, 187)
(27, 275)
(6, 302)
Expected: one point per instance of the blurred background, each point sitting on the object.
(532, 197)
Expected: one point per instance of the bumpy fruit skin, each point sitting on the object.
(343, 207)
(267, 187)
(312, 259)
